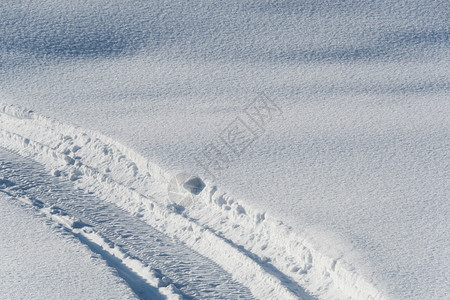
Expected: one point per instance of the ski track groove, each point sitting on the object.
(194, 275)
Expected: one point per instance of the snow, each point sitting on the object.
(41, 262)
(344, 193)
(135, 185)
(154, 265)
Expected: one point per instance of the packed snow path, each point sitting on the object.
(194, 275)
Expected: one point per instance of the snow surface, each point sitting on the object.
(154, 265)
(356, 167)
(40, 262)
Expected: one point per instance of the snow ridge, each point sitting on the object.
(261, 253)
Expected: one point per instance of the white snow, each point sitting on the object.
(41, 262)
(344, 194)
(155, 266)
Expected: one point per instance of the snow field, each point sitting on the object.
(261, 253)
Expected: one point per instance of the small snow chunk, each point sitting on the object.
(194, 185)
(183, 187)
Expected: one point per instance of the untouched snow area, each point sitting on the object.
(325, 127)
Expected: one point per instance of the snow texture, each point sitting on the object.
(40, 262)
(340, 189)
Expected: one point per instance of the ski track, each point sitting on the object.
(121, 197)
(171, 261)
